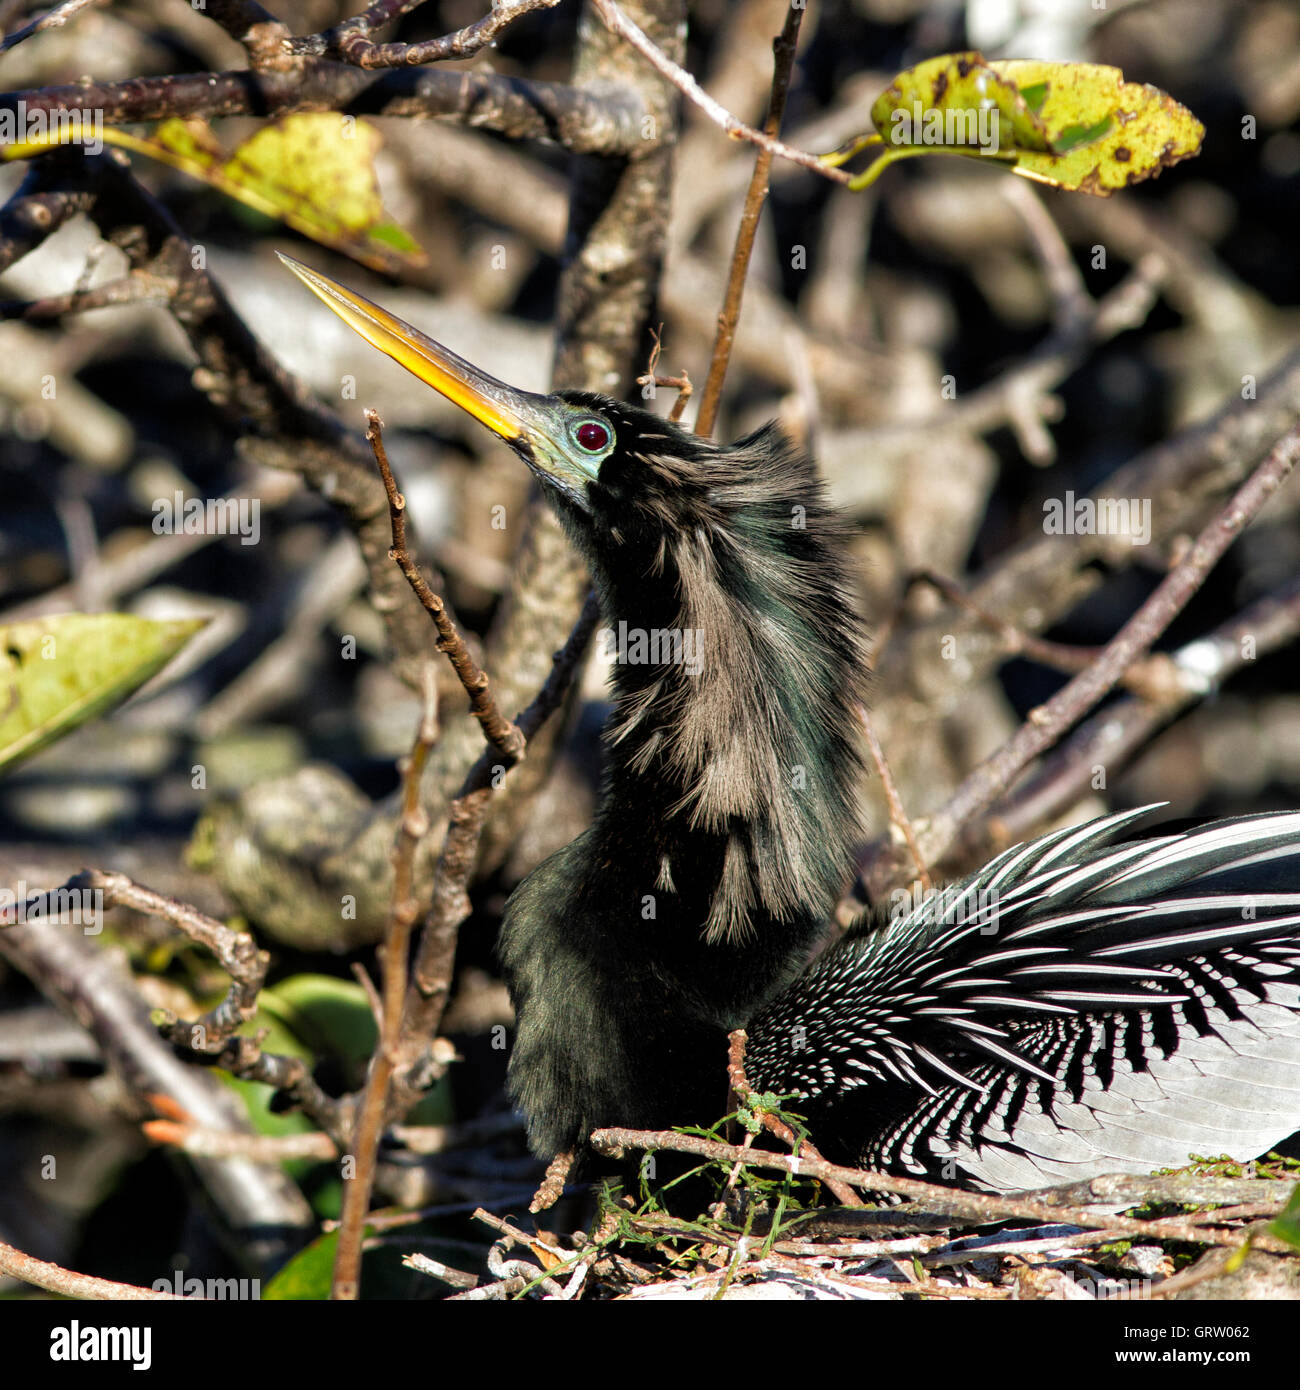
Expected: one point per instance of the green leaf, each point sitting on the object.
(1077, 126)
(1286, 1224)
(56, 673)
(325, 1014)
(307, 1276)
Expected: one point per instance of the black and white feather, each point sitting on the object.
(1080, 1005)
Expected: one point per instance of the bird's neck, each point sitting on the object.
(733, 748)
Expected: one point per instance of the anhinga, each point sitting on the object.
(1081, 1005)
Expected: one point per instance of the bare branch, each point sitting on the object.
(783, 50)
(497, 729)
(51, 19)
(404, 907)
(70, 1284)
(350, 40)
(1046, 724)
(973, 1206)
(621, 25)
(606, 122)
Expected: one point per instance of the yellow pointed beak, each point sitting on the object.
(504, 410)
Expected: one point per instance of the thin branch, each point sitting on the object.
(350, 40)
(744, 1093)
(404, 907)
(262, 1206)
(621, 25)
(255, 28)
(1144, 677)
(608, 122)
(681, 384)
(497, 729)
(51, 19)
(1071, 302)
(979, 1207)
(212, 1037)
(783, 52)
(431, 983)
(898, 816)
(1110, 738)
(70, 1284)
(1045, 725)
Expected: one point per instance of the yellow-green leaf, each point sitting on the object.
(1078, 126)
(1102, 133)
(313, 170)
(56, 673)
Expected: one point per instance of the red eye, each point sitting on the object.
(592, 436)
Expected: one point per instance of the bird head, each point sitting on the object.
(587, 450)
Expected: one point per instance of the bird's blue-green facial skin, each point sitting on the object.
(543, 430)
(553, 449)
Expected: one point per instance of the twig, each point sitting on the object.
(744, 1093)
(1146, 677)
(621, 25)
(551, 1187)
(262, 1206)
(1070, 298)
(222, 1143)
(212, 1035)
(180, 1132)
(897, 814)
(1110, 738)
(138, 287)
(1046, 724)
(350, 40)
(432, 977)
(783, 52)
(588, 122)
(497, 729)
(681, 384)
(236, 952)
(404, 907)
(71, 1284)
(979, 1207)
(51, 19)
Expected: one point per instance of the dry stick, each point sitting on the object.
(1071, 302)
(404, 908)
(978, 1207)
(607, 123)
(681, 384)
(1148, 677)
(504, 736)
(783, 51)
(897, 814)
(51, 19)
(1110, 738)
(212, 1036)
(1046, 724)
(620, 24)
(429, 988)
(350, 41)
(180, 1132)
(744, 1092)
(71, 1284)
